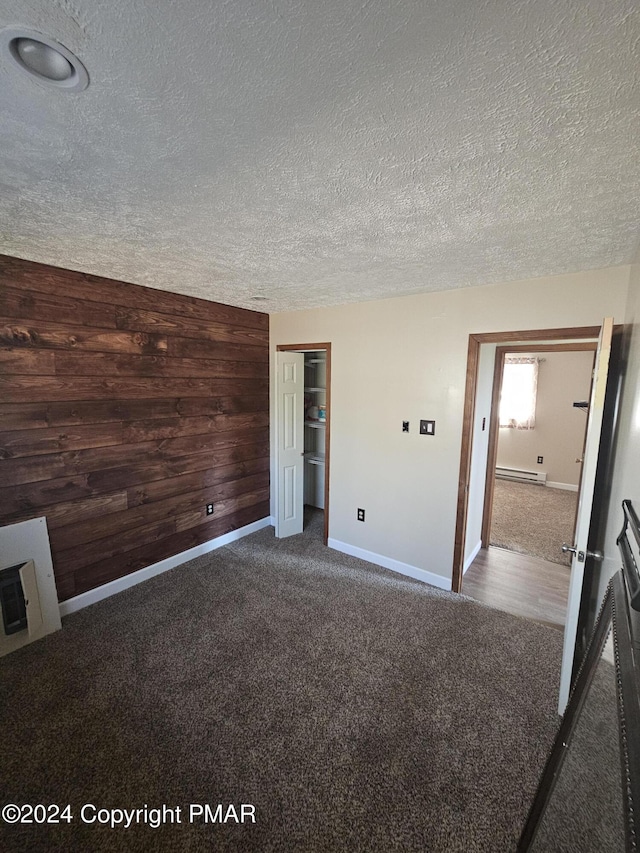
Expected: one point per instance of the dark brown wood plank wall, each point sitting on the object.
(124, 410)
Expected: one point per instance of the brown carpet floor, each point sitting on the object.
(355, 709)
(534, 520)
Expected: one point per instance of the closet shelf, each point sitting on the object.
(316, 394)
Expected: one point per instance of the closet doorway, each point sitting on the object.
(303, 435)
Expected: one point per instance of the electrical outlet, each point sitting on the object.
(360, 514)
(540, 460)
(405, 426)
(209, 509)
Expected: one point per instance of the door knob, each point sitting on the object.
(572, 549)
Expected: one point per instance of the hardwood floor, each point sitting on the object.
(518, 584)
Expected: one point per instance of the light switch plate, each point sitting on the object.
(427, 427)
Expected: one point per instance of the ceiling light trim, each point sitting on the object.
(10, 38)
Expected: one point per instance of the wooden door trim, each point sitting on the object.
(326, 346)
(575, 346)
(473, 357)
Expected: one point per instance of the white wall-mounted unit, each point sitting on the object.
(521, 475)
(28, 600)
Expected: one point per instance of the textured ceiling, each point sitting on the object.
(324, 152)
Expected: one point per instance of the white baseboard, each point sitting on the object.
(568, 487)
(388, 563)
(71, 605)
(472, 556)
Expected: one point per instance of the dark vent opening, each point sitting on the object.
(14, 607)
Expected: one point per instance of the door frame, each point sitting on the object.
(470, 393)
(312, 348)
(494, 426)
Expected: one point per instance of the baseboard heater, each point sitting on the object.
(521, 475)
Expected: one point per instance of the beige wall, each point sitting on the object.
(558, 435)
(405, 359)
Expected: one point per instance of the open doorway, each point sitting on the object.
(303, 429)
(534, 466)
(536, 461)
(543, 597)
(587, 547)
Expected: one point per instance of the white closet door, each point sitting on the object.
(290, 443)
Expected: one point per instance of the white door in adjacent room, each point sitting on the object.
(582, 558)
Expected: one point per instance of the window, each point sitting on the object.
(518, 398)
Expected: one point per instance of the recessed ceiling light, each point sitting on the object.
(259, 298)
(43, 58)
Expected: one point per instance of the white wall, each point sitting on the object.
(405, 359)
(480, 451)
(558, 435)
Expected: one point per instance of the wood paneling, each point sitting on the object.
(135, 474)
(25, 361)
(125, 410)
(90, 288)
(27, 305)
(160, 489)
(223, 405)
(34, 442)
(123, 564)
(14, 389)
(188, 327)
(28, 500)
(83, 532)
(111, 364)
(191, 348)
(44, 335)
(34, 415)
